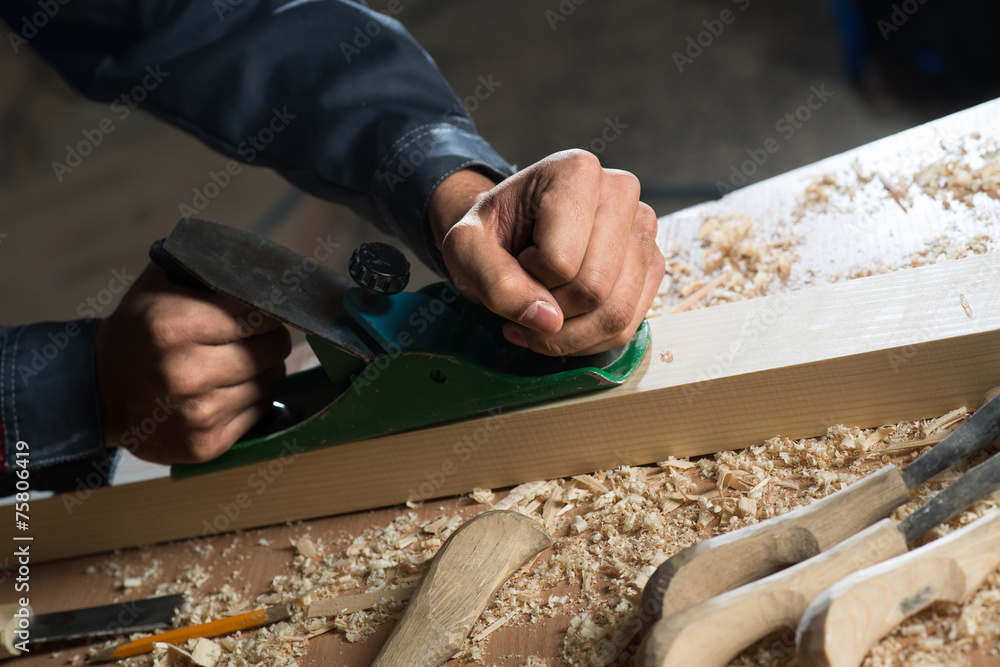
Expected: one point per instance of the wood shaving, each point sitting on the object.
(482, 496)
(959, 176)
(733, 265)
(305, 547)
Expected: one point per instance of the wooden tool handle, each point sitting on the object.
(846, 619)
(723, 563)
(8, 624)
(466, 572)
(713, 632)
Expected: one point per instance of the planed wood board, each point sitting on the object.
(866, 352)
(864, 227)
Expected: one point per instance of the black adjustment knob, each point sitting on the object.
(379, 269)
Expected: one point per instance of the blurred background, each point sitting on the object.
(663, 89)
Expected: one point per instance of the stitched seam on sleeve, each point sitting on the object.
(399, 144)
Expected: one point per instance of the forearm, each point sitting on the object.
(283, 85)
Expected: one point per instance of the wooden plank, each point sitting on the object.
(865, 352)
(862, 226)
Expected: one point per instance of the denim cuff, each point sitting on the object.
(49, 399)
(410, 173)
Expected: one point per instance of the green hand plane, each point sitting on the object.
(390, 360)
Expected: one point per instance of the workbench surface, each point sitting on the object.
(853, 214)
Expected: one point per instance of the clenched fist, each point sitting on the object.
(563, 249)
(183, 373)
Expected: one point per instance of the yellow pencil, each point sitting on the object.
(223, 626)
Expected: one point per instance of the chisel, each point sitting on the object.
(728, 561)
(715, 631)
(846, 619)
(114, 619)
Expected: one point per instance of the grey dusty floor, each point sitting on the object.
(564, 73)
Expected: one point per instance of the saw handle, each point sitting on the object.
(843, 623)
(714, 632)
(728, 561)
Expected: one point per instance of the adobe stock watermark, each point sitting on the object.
(362, 36)
(786, 127)
(31, 25)
(263, 476)
(704, 39)
(927, 327)
(419, 321)
(90, 308)
(900, 14)
(562, 12)
(609, 134)
(131, 439)
(461, 451)
(291, 280)
(223, 7)
(248, 149)
(758, 322)
(121, 107)
(482, 92)
(405, 162)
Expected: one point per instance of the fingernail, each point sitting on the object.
(515, 336)
(541, 316)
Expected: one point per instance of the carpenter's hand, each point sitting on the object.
(183, 373)
(563, 249)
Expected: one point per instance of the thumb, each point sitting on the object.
(484, 271)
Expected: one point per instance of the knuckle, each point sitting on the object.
(200, 414)
(184, 375)
(657, 264)
(577, 158)
(616, 316)
(627, 183)
(495, 297)
(560, 266)
(552, 347)
(591, 291)
(166, 333)
(189, 384)
(645, 225)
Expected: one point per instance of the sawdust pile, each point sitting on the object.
(733, 265)
(958, 176)
(828, 190)
(611, 530)
(964, 169)
(940, 249)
